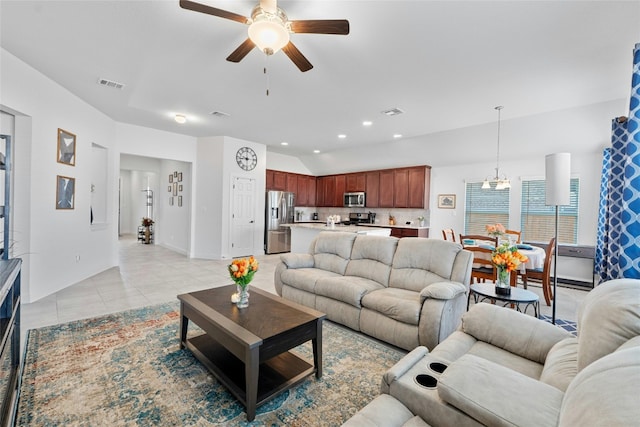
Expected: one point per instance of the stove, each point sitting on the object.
(360, 218)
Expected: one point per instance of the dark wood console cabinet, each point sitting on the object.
(10, 335)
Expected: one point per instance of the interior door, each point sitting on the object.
(243, 216)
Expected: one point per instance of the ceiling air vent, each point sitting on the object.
(110, 83)
(220, 114)
(392, 112)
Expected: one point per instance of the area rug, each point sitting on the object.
(126, 369)
(567, 325)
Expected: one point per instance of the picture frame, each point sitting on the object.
(170, 178)
(175, 188)
(65, 192)
(446, 201)
(170, 200)
(170, 189)
(180, 187)
(175, 174)
(179, 201)
(179, 176)
(66, 153)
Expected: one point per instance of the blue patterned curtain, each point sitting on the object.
(618, 241)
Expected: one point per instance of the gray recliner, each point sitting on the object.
(504, 368)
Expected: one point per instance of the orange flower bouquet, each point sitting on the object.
(506, 258)
(242, 270)
(495, 230)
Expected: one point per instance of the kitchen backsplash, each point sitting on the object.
(402, 216)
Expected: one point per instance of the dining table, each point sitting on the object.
(535, 258)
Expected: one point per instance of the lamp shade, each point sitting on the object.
(558, 179)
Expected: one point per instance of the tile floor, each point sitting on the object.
(151, 274)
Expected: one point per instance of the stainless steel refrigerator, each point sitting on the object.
(279, 210)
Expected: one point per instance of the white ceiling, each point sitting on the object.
(445, 63)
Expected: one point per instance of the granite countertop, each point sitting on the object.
(413, 227)
(323, 226)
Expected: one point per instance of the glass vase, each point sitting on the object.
(243, 296)
(503, 287)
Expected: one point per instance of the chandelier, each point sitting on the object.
(502, 182)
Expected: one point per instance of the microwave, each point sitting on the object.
(354, 200)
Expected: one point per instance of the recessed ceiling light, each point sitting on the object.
(284, 143)
(180, 118)
(342, 136)
(367, 123)
(316, 151)
(397, 135)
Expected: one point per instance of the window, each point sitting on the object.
(484, 207)
(538, 220)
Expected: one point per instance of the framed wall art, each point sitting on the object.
(65, 192)
(179, 201)
(66, 153)
(170, 178)
(446, 201)
(175, 188)
(171, 201)
(180, 187)
(179, 176)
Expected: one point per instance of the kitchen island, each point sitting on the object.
(303, 234)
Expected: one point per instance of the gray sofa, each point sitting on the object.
(407, 292)
(509, 369)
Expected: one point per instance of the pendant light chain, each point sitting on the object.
(499, 108)
(266, 75)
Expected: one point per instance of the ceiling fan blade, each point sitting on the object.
(203, 8)
(321, 26)
(297, 57)
(242, 51)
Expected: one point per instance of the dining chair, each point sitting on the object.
(544, 274)
(515, 233)
(482, 249)
(448, 234)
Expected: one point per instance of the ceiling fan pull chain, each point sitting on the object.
(266, 75)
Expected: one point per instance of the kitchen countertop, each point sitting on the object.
(323, 226)
(413, 227)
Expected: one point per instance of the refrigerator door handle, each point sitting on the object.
(274, 212)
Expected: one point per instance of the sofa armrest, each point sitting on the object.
(513, 331)
(442, 290)
(297, 260)
(402, 366)
(498, 396)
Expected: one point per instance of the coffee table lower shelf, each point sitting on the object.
(275, 375)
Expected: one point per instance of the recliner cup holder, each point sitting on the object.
(426, 380)
(437, 367)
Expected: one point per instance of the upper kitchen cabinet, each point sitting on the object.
(326, 191)
(292, 183)
(276, 180)
(355, 182)
(385, 198)
(400, 188)
(419, 185)
(306, 194)
(372, 189)
(341, 182)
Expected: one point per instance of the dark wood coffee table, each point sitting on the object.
(247, 350)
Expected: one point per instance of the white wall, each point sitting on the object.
(212, 211)
(62, 246)
(283, 162)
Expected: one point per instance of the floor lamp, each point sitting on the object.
(557, 186)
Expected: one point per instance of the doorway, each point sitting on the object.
(243, 195)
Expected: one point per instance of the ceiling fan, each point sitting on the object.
(269, 30)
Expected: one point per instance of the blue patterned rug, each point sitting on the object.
(126, 369)
(567, 325)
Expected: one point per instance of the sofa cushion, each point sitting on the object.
(605, 393)
(349, 289)
(384, 411)
(419, 262)
(332, 249)
(510, 330)
(561, 365)
(297, 260)
(371, 258)
(398, 304)
(443, 290)
(304, 278)
(608, 316)
(497, 396)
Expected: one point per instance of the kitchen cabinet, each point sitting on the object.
(268, 181)
(400, 188)
(372, 189)
(409, 232)
(302, 193)
(279, 180)
(385, 198)
(340, 190)
(326, 191)
(355, 182)
(292, 183)
(311, 190)
(418, 187)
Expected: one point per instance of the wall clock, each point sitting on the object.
(246, 158)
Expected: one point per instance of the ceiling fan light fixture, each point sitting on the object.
(268, 31)
(180, 118)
